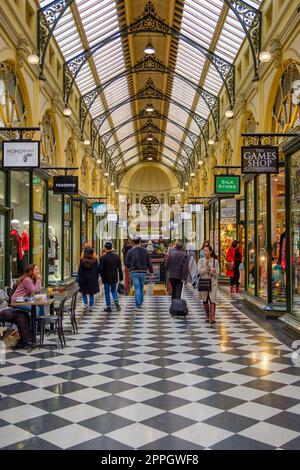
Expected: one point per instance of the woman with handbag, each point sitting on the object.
(208, 268)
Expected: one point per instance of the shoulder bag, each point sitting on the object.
(204, 285)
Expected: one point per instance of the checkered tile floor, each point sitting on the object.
(147, 381)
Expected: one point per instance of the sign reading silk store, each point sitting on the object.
(260, 159)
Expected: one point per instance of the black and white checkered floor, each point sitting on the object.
(147, 381)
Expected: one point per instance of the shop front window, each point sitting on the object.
(2, 188)
(67, 237)
(251, 238)
(90, 225)
(76, 235)
(54, 237)
(295, 232)
(278, 237)
(227, 228)
(19, 224)
(216, 234)
(83, 225)
(262, 236)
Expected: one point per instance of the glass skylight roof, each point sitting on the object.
(209, 23)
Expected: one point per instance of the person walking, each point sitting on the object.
(208, 268)
(110, 267)
(177, 266)
(150, 247)
(234, 258)
(139, 263)
(88, 278)
(205, 243)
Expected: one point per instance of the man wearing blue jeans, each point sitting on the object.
(138, 262)
(110, 266)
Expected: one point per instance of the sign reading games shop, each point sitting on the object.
(65, 184)
(260, 159)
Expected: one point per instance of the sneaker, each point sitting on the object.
(90, 309)
(138, 309)
(107, 309)
(117, 306)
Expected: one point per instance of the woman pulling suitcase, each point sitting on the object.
(208, 268)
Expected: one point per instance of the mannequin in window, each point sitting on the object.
(25, 243)
(282, 251)
(16, 248)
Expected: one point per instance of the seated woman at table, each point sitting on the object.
(27, 286)
(16, 317)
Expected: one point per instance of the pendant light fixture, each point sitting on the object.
(149, 49)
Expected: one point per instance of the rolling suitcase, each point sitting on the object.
(179, 307)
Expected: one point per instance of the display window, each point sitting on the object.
(227, 229)
(206, 224)
(251, 259)
(67, 237)
(216, 228)
(295, 232)
(83, 224)
(2, 188)
(90, 225)
(54, 237)
(39, 194)
(262, 223)
(278, 237)
(19, 223)
(76, 236)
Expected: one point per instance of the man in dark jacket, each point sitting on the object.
(177, 265)
(138, 262)
(110, 265)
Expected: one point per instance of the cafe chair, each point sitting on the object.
(71, 310)
(56, 321)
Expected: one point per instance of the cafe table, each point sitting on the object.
(33, 304)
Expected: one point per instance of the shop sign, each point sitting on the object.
(227, 184)
(36, 180)
(65, 184)
(20, 154)
(260, 159)
(99, 208)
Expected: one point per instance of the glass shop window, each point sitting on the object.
(295, 232)
(251, 238)
(67, 237)
(19, 223)
(39, 187)
(227, 228)
(76, 235)
(278, 237)
(54, 237)
(262, 236)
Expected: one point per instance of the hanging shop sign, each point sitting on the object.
(260, 159)
(99, 208)
(227, 184)
(65, 184)
(20, 154)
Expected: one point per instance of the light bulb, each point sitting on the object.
(106, 174)
(200, 162)
(182, 190)
(99, 160)
(117, 190)
(33, 59)
(149, 108)
(192, 175)
(67, 112)
(149, 49)
(149, 137)
(112, 183)
(186, 183)
(86, 142)
(265, 56)
(211, 142)
(229, 113)
(150, 158)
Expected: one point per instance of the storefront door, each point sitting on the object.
(295, 232)
(2, 249)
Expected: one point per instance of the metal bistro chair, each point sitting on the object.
(71, 310)
(56, 320)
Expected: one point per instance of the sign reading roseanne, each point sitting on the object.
(260, 159)
(65, 184)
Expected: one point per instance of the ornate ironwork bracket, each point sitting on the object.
(251, 20)
(47, 19)
(149, 22)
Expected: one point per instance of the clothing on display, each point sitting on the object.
(16, 249)
(53, 247)
(25, 244)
